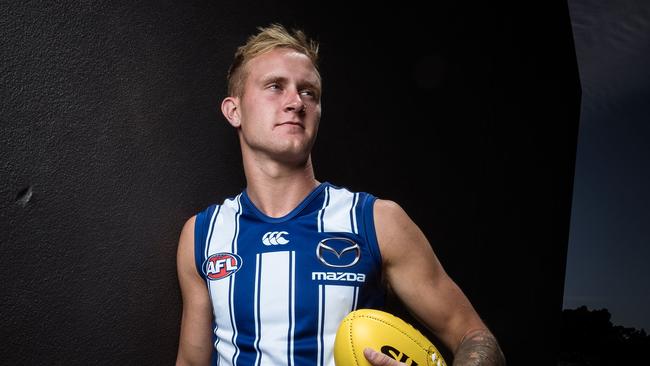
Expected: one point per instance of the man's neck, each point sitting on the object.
(276, 189)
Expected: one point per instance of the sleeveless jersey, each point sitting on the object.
(281, 286)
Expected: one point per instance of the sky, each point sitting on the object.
(608, 262)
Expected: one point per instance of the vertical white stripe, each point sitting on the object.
(338, 302)
(210, 229)
(224, 329)
(236, 240)
(293, 307)
(319, 337)
(226, 229)
(233, 279)
(320, 212)
(356, 299)
(274, 302)
(256, 307)
(336, 217)
(355, 229)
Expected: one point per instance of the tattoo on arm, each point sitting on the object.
(479, 347)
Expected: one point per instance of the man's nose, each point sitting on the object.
(295, 103)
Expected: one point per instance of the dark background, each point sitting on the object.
(112, 137)
(609, 241)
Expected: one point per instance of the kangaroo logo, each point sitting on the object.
(275, 238)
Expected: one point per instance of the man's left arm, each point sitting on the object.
(416, 276)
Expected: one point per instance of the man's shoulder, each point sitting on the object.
(231, 202)
(348, 188)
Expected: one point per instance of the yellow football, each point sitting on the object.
(382, 332)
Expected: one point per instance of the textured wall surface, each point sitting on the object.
(111, 137)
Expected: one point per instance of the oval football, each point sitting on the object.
(383, 332)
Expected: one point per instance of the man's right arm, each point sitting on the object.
(195, 343)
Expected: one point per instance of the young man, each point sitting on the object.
(267, 276)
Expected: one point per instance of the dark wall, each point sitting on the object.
(112, 137)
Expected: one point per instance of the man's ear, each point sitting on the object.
(230, 110)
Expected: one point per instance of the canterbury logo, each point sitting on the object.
(275, 238)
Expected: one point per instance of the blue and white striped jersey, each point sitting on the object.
(280, 286)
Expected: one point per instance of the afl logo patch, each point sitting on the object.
(222, 265)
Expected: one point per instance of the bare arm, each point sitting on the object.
(419, 280)
(479, 347)
(196, 337)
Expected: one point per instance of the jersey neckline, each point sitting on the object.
(293, 212)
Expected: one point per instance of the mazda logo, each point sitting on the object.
(327, 245)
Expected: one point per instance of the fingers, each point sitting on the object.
(379, 359)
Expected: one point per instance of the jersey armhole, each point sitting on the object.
(201, 228)
(369, 232)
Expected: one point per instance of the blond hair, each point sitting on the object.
(268, 38)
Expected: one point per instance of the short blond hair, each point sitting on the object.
(267, 39)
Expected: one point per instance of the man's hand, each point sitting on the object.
(379, 359)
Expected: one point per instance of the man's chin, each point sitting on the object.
(295, 158)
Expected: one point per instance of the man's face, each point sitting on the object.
(280, 106)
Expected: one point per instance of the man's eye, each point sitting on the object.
(274, 86)
(309, 93)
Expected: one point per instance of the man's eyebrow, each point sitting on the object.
(309, 85)
(273, 79)
(268, 79)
